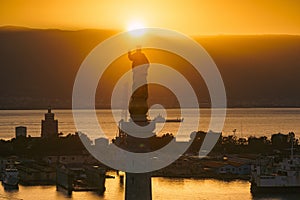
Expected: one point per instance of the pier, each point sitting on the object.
(78, 178)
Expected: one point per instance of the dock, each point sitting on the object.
(80, 178)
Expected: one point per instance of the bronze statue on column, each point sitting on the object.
(138, 106)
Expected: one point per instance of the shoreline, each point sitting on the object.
(229, 107)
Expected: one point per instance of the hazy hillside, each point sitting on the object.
(258, 70)
(38, 68)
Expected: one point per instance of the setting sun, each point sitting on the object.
(135, 25)
(136, 28)
(192, 17)
(154, 100)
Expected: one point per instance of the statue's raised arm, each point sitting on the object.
(137, 58)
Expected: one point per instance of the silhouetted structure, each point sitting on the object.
(138, 106)
(21, 131)
(49, 125)
(138, 185)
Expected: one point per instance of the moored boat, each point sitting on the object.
(10, 176)
(273, 175)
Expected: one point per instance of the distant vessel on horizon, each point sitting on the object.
(160, 119)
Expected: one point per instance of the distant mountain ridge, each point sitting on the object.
(38, 67)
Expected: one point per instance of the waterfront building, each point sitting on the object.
(228, 167)
(49, 125)
(21, 131)
(70, 159)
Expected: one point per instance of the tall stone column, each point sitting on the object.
(138, 185)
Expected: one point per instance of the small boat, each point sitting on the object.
(10, 178)
(161, 119)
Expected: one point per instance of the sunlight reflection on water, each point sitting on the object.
(162, 189)
(247, 121)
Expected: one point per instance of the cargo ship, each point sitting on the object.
(160, 119)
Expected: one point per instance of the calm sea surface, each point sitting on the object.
(162, 189)
(248, 122)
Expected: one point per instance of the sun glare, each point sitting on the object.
(135, 25)
(136, 28)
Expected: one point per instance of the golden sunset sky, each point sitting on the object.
(193, 17)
